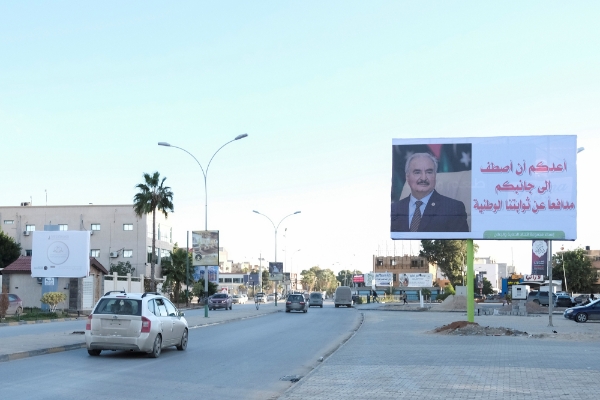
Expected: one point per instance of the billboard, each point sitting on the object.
(539, 257)
(205, 245)
(415, 280)
(200, 270)
(383, 278)
(60, 254)
(506, 187)
(275, 271)
(358, 278)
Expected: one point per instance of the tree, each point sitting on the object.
(344, 277)
(578, 269)
(449, 255)
(152, 196)
(9, 250)
(4, 302)
(308, 279)
(53, 299)
(266, 283)
(176, 271)
(198, 289)
(121, 268)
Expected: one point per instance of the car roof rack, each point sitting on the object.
(114, 291)
(156, 293)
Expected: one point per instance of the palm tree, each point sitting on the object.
(176, 271)
(153, 195)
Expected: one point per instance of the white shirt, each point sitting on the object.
(412, 207)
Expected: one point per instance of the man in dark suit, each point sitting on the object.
(425, 210)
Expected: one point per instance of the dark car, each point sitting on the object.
(219, 300)
(541, 298)
(582, 298)
(296, 302)
(589, 311)
(563, 300)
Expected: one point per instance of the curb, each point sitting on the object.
(38, 321)
(40, 352)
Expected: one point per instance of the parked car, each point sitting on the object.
(220, 300)
(479, 298)
(584, 313)
(296, 302)
(563, 300)
(15, 304)
(135, 322)
(238, 299)
(541, 298)
(271, 297)
(582, 298)
(316, 299)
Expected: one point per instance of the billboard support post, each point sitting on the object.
(470, 281)
(550, 284)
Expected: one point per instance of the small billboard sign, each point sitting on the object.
(60, 254)
(205, 245)
(275, 271)
(415, 280)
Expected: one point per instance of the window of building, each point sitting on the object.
(127, 227)
(9, 221)
(28, 253)
(393, 261)
(379, 262)
(220, 280)
(127, 253)
(30, 228)
(238, 280)
(63, 227)
(228, 280)
(95, 227)
(95, 253)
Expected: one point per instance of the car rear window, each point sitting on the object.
(220, 296)
(296, 297)
(315, 296)
(119, 306)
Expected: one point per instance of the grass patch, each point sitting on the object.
(34, 315)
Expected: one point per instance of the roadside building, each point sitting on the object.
(117, 234)
(406, 265)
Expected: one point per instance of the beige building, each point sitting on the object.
(117, 234)
(406, 264)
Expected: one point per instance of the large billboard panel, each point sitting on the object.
(205, 245)
(384, 279)
(60, 254)
(415, 280)
(275, 271)
(507, 187)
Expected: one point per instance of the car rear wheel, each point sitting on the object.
(321, 305)
(94, 352)
(156, 349)
(337, 305)
(231, 307)
(305, 311)
(184, 341)
(581, 317)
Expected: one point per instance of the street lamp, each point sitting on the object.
(276, 227)
(562, 248)
(205, 174)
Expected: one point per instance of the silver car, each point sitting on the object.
(316, 299)
(145, 322)
(296, 302)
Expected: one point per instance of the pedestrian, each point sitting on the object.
(592, 297)
(404, 298)
(375, 299)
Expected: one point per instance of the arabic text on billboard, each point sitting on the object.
(415, 280)
(206, 247)
(484, 188)
(383, 278)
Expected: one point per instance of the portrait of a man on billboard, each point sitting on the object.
(423, 202)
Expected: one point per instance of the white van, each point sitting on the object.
(343, 296)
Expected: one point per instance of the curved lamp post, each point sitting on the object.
(205, 174)
(276, 227)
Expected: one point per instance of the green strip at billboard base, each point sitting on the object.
(517, 235)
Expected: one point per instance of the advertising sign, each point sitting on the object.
(506, 187)
(369, 278)
(539, 257)
(213, 273)
(60, 254)
(275, 271)
(383, 278)
(205, 245)
(415, 280)
(534, 278)
(358, 278)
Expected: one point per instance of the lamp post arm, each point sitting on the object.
(195, 159)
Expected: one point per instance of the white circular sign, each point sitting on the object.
(58, 253)
(540, 248)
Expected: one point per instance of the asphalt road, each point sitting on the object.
(240, 359)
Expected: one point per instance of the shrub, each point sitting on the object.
(52, 299)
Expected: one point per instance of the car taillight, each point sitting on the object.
(88, 324)
(302, 303)
(288, 302)
(146, 325)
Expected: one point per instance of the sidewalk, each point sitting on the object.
(22, 346)
(395, 355)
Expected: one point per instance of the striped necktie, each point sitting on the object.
(416, 219)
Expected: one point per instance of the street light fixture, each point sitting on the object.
(205, 174)
(276, 227)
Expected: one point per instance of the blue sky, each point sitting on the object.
(88, 89)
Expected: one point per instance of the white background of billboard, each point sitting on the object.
(504, 151)
(416, 280)
(77, 262)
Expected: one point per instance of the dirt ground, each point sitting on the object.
(459, 303)
(464, 328)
